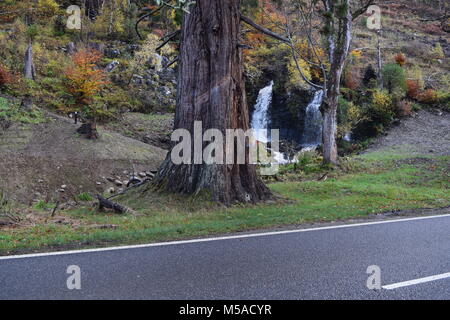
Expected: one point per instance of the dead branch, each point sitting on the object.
(108, 204)
(168, 39)
(55, 208)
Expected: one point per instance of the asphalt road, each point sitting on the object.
(327, 263)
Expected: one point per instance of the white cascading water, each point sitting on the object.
(260, 120)
(312, 135)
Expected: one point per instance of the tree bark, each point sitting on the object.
(108, 204)
(211, 89)
(379, 60)
(330, 154)
(339, 46)
(29, 70)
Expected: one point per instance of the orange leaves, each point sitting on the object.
(5, 76)
(400, 59)
(429, 96)
(267, 16)
(413, 88)
(83, 79)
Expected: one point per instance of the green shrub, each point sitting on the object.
(42, 205)
(394, 79)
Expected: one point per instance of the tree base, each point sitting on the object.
(241, 185)
(89, 130)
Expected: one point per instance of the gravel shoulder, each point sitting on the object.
(426, 133)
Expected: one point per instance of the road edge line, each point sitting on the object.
(242, 236)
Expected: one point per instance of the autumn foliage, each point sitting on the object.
(83, 79)
(400, 59)
(404, 108)
(351, 80)
(5, 76)
(413, 88)
(428, 96)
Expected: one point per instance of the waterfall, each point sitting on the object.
(260, 121)
(260, 118)
(312, 135)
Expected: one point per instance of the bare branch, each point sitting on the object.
(136, 26)
(172, 62)
(168, 39)
(264, 30)
(362, 9)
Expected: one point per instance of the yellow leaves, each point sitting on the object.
(382, 103)
(356, 54)
(295, 77)
(148, 53)
(47, 8)
(309, 59)
(381, 99)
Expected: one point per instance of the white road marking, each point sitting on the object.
(243, 236)
(416, 281)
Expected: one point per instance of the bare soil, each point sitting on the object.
(37, 160)
(426, 133)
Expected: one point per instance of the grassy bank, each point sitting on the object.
(370, 184)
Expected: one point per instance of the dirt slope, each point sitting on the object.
(30, 155)
(425, 133)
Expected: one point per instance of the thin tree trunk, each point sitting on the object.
(211, 89)
(379, 60)
(29, 70)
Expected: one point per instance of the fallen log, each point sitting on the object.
(108, 204)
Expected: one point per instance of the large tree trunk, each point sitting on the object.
(211, 90)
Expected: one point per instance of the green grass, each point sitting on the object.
(42, 205)
(85, 197)
(13, 112)
(383, 183)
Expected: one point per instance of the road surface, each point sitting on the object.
(413, 255)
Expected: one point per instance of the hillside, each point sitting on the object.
(38, 159)
(425, 133)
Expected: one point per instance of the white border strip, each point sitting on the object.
(416, 281)
(243, 236)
